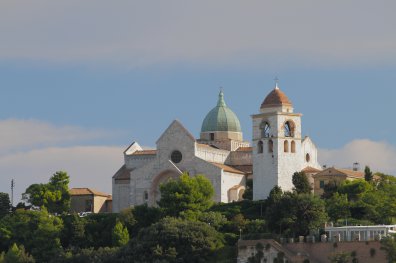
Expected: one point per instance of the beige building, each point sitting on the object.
(89, 200)
(333, 175)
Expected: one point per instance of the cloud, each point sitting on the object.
(139, 33)
(380, 156)
(87, 166)
(17, 135)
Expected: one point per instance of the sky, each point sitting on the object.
(81, 80)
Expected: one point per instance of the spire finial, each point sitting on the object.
(221, 102)
(276, 82)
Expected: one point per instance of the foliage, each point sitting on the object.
(54, 195)
(388, 244)
(5, 204)
(301, 183)
(256, 258)
(16, 254)
(342, 257)
(186, 193)
(175, 240)
(368, 175)
(120, 235)
(248, 194)
(338, 207)
(38, 231)
(73, 232)
(296, 214)
(100, 255)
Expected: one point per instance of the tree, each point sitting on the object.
(368, 175)
(388, 244)
(120, 235)
(5, 204)
(248, 194)
(342, 257)
(175, 240)
(54, 195)
(338, 207)
(186, 193)
(17, 255)
(301, 183)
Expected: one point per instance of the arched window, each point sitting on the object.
(307, 157)
(146, 196)
(270, 146)
(289, 129)
(260, 147)
(265, 129)
(293, 146)
(286, 146)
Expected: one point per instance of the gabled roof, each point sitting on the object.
(310, 170)
(337, 171)
(227, 168)
(86, 191)
(177, 123)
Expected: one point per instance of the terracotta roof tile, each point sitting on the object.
(245, 149)
(145, 152)
(86, 191)
(276, 98)
(227, 168)
(311, 170)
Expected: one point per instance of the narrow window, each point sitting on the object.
(293, 146)
(260, 147)
(270, 146)
(307, 158)
(265, 128)
(88, 206)
(289, 129)
(212, 136)
(286, 146)
(322, 184)
(146, 196)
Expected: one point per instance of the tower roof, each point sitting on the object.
(221, 118)
(276, 98)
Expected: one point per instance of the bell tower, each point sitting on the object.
(277, 144)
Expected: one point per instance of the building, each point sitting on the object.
(221, 154)
(335, 176)
(358, 233)
(89, 200)
(279, 149)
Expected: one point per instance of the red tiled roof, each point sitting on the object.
(276, 98)
(310, 170)
(227, 168)
(86, 191)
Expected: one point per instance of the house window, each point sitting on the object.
(146, 196)
(270, 146)
(322, 184)
(307, 157)
(286, 146)
(212, 137)
(293, 146)
(260, 147)
(88, 206)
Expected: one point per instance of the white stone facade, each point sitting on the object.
(221, 155)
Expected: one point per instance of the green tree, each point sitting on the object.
(38, 231)
(54, 195)
(338, 207)
(342, 257)
(301, 183)
(5, 204)
(120, 235)
(248, 194)
(175, 240)
(17, 255)
(388, 244)
(186, 193)
(368, 175)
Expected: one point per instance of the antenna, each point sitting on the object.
(12, 192)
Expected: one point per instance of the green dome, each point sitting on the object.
(221, 118)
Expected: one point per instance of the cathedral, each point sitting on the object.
(278, 150)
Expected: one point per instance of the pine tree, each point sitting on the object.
(120, 235)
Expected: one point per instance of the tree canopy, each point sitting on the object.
(186, 193)
(301, 183)
(54, 195)
(5, 204)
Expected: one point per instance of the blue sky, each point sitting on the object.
(81, 81)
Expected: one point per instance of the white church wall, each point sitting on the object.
(211, 155)
(213, 173)
(138, 161)
(120, 196)
(240, 158)
(310, 148)
(229, 180)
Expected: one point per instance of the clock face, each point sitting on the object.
(176, 156)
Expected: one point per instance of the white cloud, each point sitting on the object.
(87, 166)
(150, 32)
(16, 134)
(380, 156)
